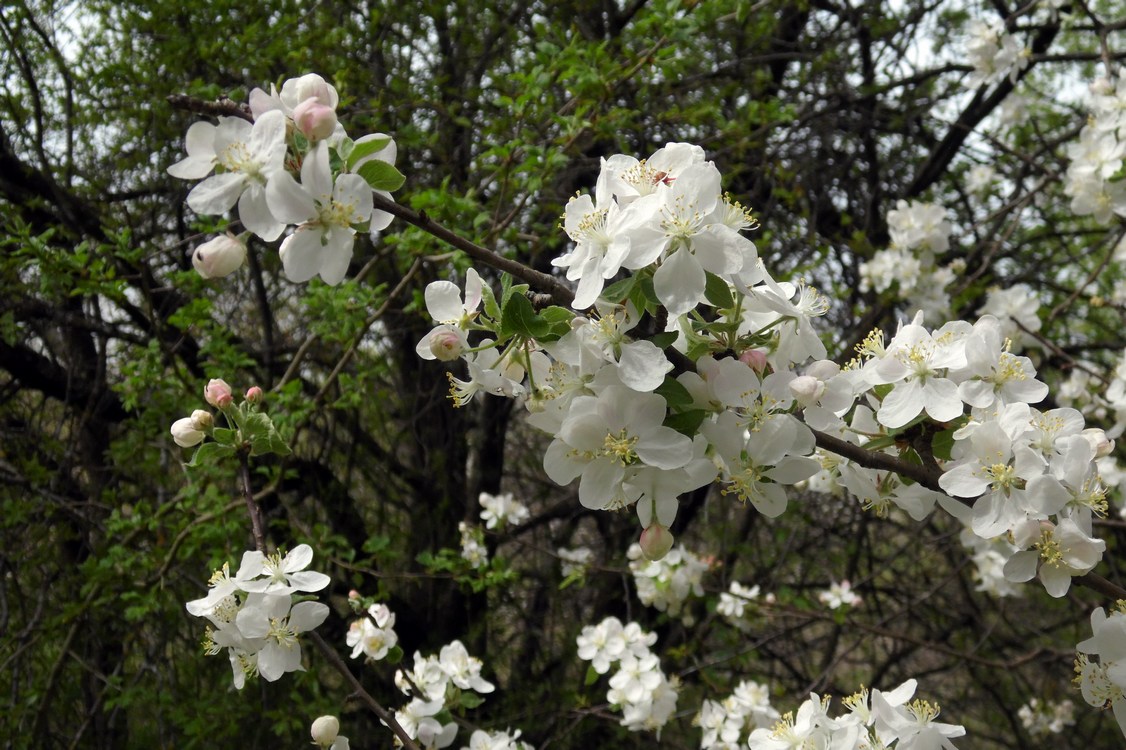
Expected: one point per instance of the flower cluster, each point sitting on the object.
(727, 723)
(1103, 682)
(1094, 176)
(733, 603)
(874, 719)
(1042, 718)
(437, 684)
(919, 233)
(373, 635)
(254, 616)
(501, 510)
(294, 134)
(639, 688)
(994, 54)
(668, 583)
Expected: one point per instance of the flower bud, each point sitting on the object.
(312, 86)
(755, 359)
(353, 594)
(1103, 445)
(219, 256)
(325, 730)
(316, 121)
(806, 389)
(185, 434)
(201, 420)
(447, 344)
(254, 394)
(656, 541)
(218, 393)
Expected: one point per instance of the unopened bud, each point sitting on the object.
(312, 86)
(254, 394)
(755, 359)
(316, 121)
(353, 594)
(1103, 445)
(325, 730)
(806, 389)
(447, 344)
(185, 434)
(201, 419)
(656, 541)
(218, 393)
(219, 256)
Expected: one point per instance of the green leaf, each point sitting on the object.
(675, 394)
(686, 422)
(367, 148)
(664, 340)
(519, 318)
(591, 676)
(717, 291)
(492, 309)
(210, 453)
(394, 655)
(619, 290)
(224, 436)
(381, 175)
(263, 436)
(942, 443)
(469, 699)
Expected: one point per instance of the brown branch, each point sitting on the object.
(558, 290)
(222, 107)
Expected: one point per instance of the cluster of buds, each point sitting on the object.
(248, 430)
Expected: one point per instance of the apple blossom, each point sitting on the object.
(218, 393)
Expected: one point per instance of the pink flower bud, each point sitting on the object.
(254, 394)
(755, 359)
(316, 121)
(656, 541)
(219, 256)
(185, 434)
(218, 393)
(325, 730)
(447, 344)
(201, 419)
(353, 594)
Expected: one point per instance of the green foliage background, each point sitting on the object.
(819, 114)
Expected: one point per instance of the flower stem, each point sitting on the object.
(251, 505)
(384, 715)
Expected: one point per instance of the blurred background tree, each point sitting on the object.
(820, 114)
